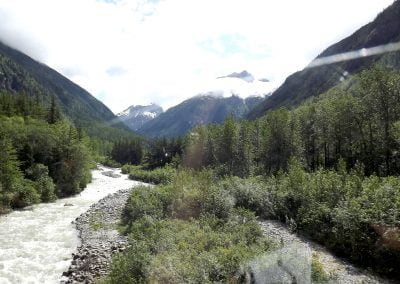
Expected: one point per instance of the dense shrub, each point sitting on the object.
(157, 176)
(110, 163)
(187, 232)
(41, 161)
(251, 194)
(177, 251)
(24, 194)
(44, 185)
(356, 216)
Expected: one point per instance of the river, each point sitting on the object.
(36, 243)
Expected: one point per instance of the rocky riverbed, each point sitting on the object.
(340, 271)
(99, 239)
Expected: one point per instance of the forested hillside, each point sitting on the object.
(21, 74)
(43, 156)
(311, 82)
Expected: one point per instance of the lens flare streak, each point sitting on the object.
(351, 55)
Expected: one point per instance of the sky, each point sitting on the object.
(130, 52)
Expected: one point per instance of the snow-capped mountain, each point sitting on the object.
(136, 116)
(235, 94)
(201, 109)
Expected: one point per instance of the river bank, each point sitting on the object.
(339, 270)
(37, 243)
(99, 239)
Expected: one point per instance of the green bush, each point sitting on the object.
(110, 163)
(145, 201)
(126, 169)
(318, 273)
(24, 194)
(44, 184)
(251, 194)
(197, 251)
(353, 215)
(157, 176)
(187, 232)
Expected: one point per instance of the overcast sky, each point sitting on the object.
(129, 52)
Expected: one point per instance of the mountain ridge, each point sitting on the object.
(21, 73)
(136, 116)
(309, 82)
(201, 109)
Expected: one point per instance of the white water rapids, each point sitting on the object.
(36, 244)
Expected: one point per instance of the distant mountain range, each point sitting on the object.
(202, 109)
(136, 116)
(317, 80)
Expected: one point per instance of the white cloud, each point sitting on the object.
(136, 52)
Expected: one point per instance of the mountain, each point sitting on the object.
(314, 81)
(202, 109)
(21, 74)
(136, 116)
(244, 75)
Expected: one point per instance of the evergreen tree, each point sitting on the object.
(54, 113)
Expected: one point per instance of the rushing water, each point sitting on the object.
(36, 244)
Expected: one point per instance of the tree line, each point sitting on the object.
(359, 123)
(42, 155)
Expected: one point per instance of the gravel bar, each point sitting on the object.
(99, 239)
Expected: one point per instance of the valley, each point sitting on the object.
(225, 165)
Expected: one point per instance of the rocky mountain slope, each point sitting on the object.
(136, 116)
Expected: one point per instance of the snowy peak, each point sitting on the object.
(202, 109)
(244, 75)
(136, 116)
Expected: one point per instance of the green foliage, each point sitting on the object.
(187, 232)
(177, 251)
(39, 161)
(106, 161)
(157, 176)
(354, 215)
(251, 194)
(128, 152)
(54, 114)
(44, 184)
(24, 194)
(161, 152)
(146, 201)
(318, 273)
(9, 165)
